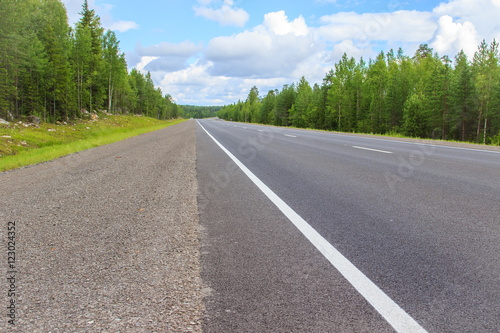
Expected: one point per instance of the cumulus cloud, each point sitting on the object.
(165, 64)
(143, 62)
(268, 56)
(464, 23)
(278, 24)
(281, 49)
(451, 37)
(194, 85)
(273, 49)
(407, 26)
(225, 15)
(348, 47)
(163, 58)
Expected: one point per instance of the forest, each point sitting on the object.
(57, 72)
(425, 96)
(194, 111)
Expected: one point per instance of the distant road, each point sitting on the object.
(421, 222)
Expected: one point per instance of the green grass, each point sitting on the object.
(21, 146)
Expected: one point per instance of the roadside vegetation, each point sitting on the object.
(60, 73)
(194, 111)
(424, 96)
(23, 144)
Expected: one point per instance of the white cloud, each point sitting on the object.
(163, 58)
(280, 50)
(184, 49)
(348, 47)
(225, 15)
(278, 24)
(452, 37)
(194, 85)
(464, 23)
(269, 56)
(123, 26)
(144, 62)
(407, 26)
(273, 49)
(74, 8)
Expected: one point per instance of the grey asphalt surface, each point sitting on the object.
(421, 221)
(106, 239)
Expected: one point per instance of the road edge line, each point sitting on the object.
(383, 304)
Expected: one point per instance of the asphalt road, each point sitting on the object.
(422, 222)
(106, 240)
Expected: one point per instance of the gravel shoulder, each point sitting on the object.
(107, 240)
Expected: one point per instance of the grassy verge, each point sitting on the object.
(21, 146)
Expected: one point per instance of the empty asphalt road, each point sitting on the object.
(229, 227)
(105, 240)
(421, 222)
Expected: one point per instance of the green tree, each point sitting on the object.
(284, 102)
(377, 81)
(340, 110)
(463, 98)
(486, 70)
(267, 108)
(252, 105)
(298, 117)
(414, 116)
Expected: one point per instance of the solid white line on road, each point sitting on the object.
(393, 314)
(260, 130)
(290, 136)
(378, 151)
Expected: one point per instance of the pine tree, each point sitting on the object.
(377, 80)
(486, 70)
(463, 98)
(304, 91)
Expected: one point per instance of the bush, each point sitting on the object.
(496, 140)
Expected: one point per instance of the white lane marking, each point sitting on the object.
(290, 136)
(437, 145)
(260, 130)
(393, 314)
(378, 151)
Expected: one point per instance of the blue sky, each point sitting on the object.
(211, 52)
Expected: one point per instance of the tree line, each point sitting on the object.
(57, 72)
(195, 111)
(424, 96)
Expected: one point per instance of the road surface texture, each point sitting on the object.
(165, 233)
(422, 222)
(107, 239)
